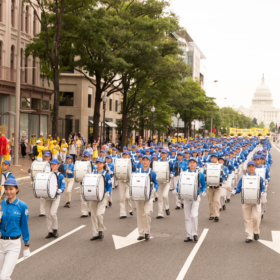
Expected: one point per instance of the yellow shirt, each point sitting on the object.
(40, 149)
(63, 146)
(79, 143)
(55, 149)
(33, 141)
(42, 139)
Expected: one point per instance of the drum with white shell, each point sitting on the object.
(93, 187)
(140, 187)
(39, 166)
(45, 185)
(82, 168)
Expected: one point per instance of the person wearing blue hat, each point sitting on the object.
(14, 224)
(133, 152)
(5, 171)
(251, 212)
(124, 193)
(148, 153)
(97, 209)
(109, 167)
(102, 155)
(69, 179)
(173, 157)
(51, 206)
(145, 208)
(163, 200)
(138, 164)
(223, 195)
(206, 158)
(191, 207)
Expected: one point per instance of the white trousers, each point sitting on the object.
(84, 204)
(63, 156)
(124, 198)
(110, 198)
(144, 216)
(175, 180)
(54, 156)
(69, 182)
(163, 201)
(51, 206)
(191, 216)
(252, 219)
(97, 210)
(9, 253)
(42, 206)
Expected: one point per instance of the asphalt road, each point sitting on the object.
(222, 255)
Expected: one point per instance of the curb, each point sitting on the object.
(23, 179)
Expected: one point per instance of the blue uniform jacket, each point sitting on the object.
(114, 158)
(266, 172)
(153, 176)
(71, 168)
(108, 182)
(239, 186)
(171, 165)
(202, 185)
(8, 174)
(111, 167)
(61, 181)
(15, 219)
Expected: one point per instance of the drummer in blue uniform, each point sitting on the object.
(5, 170)
(111, 168)
(69, 179)
(13, 225)
(51, 205)
(98, 208)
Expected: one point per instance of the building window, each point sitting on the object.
(1, 53)
(1, 10)
(66, 98)
(25, 69)
(89, 100)
(35, 104)
(116, 105)
(21, 18)
(45, 105)
(21, 62)
(33, 72)
(34, 22)
(26, 19)
(25, 102)
(12, 12)
(110, 105)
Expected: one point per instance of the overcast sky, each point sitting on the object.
(241, 41)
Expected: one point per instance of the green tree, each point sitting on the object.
(57, 19)
(261, 125)
(272, 126)
(255, 122)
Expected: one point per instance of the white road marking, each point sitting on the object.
(51, 243)
(121, 242)
(77, 188)
(275, 244)
(276, 148)
(190, 258)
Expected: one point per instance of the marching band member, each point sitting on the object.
(69, 179)
(63, 150)
(110, 166)
(223, 191)
(163, 189)
(5, 170)
(145, 208)
(98, 208)
(114, 156)
(14, 223)
(51, 205)
(191, 207)
(251, 212)
(124, 194)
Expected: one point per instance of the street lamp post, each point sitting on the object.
(153, 111)
(178, 117)
(104, 99)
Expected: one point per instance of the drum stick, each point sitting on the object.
(226, 189)
(79, 192)
(170, 186)
(24, 171)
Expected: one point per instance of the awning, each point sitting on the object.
(100, 124)
(111, 124)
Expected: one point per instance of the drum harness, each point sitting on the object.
(140, 171)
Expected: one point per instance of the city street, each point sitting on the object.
(223, 254)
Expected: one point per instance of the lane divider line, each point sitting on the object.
(51, 243)
(190, 258)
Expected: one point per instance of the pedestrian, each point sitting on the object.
(13, 225)
(63, 150)
(73, 150)
(94, 149)
(23, 145)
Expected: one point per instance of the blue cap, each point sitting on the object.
(148, 150)
(156, 147)
(251, 163)
(7, 162)
(138, 151)
(155, 156)
(214, 155)
(180, 154)
(86, 154)
(173, 150)
(47, 154)
(256, 157)
(159, 143)
(102, 151)
(126, 152)
(133, 146)
(143, 144)
(100, 160)
(54, 161)
(11, 182)
(146, 157)
(108, 156)
(69, 156)
(124, 148)
(141, 155)
(164, 151)
(193, 158)
(262, 157)
(188, 152)
(114, 149)
(151, 143)
(221, 158)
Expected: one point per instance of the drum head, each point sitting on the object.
(52, 185)
(48, 168)
(148, 187)
(101, 188)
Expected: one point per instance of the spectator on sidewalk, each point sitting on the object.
(63, 150)
(73, 150)
(23, 144)
(12, 142)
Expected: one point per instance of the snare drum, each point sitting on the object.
(45, 185)
(123, 168)
(140, 187)
(188, 186)
(251, 191)
(162, 169)
(261, 172)
(213, 175)
(39, 166)
(93, 187)
(82, 168)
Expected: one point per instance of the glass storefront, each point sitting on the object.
(44, 126)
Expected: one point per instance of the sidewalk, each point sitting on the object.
(25, 164)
